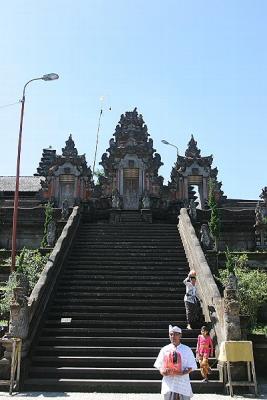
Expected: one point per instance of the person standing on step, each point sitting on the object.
(204, 351)
(175, 361)
(191, 300)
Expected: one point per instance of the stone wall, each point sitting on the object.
(236, 231)
(30, 227)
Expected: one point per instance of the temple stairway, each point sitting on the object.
(119, 290)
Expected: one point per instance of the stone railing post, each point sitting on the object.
(18, 324)
(212, 302)
(231, 310)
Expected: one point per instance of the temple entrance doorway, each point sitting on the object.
(197, 195)
(66, 190)
(131, 188)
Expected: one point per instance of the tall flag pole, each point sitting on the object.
(98, 130)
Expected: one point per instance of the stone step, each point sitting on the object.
(126, 253)
(100, 361)
(126, 242)
(124, 238)
(134, 246)
(91, 331)
(164, 264)
(120, 341)
(112, 386)
(122, 295)
(125, 247)
(121, 309)
(149, 259)
(139, 285)
(101, 352)
(138, 228)
(125, 290)
(81, 321)
(59, 355)
(124, 280)
(105, 372)
(107, 273)
(128, 234)
(133, 232)
(122, 227)
(126, 269)
(115, 302)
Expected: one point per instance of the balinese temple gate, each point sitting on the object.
(131, 167)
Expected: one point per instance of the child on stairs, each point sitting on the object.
(204, 351)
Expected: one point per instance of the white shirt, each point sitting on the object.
(177, 383)
(191, 292)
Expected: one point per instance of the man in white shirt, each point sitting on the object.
(175, 361)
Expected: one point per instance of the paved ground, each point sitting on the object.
(119, 396)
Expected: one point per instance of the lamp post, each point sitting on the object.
(170, 144)
(47, 77)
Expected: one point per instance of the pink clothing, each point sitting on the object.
(204, 346)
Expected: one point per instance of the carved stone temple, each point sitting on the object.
(64, 177)
(130, 181)
(194, 170)
(121, 246)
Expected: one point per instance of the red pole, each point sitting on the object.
(16, 196)
(47, 77)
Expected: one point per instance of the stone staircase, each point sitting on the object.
(119, 290)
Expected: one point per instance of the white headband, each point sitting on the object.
(174, 329)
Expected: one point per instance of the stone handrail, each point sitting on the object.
(212, 302)
(41, 292)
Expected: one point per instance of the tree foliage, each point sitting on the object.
(252, 284)
(29, 263)
(214, 223)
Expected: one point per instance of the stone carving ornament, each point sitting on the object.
(259, 214)
(116, 201)
(51, 233)
(65, 209)
(193, 210)
(205, 238)
(232, 310)
(146, 200)
(19, 314)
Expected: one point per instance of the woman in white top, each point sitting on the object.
(191, 300)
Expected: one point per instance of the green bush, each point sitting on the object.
(235, 260)
(252, 285)
(214, 223)
(48, 218)
(259, 329)
(7, 294)
(29, 263)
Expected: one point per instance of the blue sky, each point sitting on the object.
(190, 67)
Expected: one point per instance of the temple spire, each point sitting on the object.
(192, 149)
(69, 150)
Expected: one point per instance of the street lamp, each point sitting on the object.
(47, 77)
(170, 144)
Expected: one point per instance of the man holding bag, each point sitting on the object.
(175, 361)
